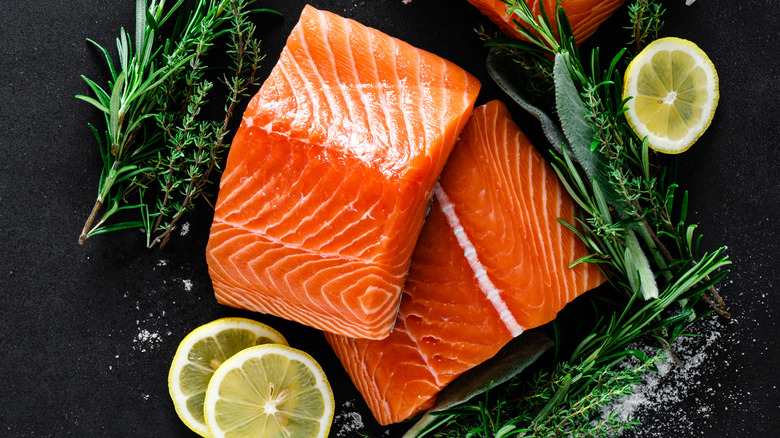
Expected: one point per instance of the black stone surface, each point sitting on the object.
(76, 358)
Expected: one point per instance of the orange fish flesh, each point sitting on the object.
(492, 261)
(585, 16)
(330, 175)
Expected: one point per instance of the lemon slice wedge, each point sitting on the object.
(201, 353)
(269, 391)
(673, 87)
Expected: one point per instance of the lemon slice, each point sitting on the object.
(269, 391)
(200, 353)
(674, 90)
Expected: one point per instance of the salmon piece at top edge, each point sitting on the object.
(492, 261)
(585, 16)
(330, 175)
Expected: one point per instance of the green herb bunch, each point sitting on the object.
(158, 150)
(633, 224)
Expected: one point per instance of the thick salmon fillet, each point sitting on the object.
(492, 261)
(585, 16)
(330, 175)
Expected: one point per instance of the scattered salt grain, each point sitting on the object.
(672, 384)
(187, 285)
(146, 340)
(162, 262)
(347, 422)
(185, 228)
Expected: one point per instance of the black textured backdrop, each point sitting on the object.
(87, 332)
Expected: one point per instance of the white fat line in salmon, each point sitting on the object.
(485, 285)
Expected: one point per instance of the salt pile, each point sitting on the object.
(672, 385)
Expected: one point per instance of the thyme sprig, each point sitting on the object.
(635, 228)
(646, 21)
(158, 149)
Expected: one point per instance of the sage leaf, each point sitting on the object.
(633, 277)
(504, 73)
(579, 133)
(516, 356)
(574, 121)
(639, 266)
(573, 130)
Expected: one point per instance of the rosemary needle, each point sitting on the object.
(633, 225)
(158, 152)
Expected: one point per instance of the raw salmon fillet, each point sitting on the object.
(330, 175)
(585, 16)
(492, 261)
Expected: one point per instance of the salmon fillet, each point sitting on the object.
(492, 261)
(330, 175)
(585, 16)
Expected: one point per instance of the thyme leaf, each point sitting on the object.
(158, 147)
(632, 222)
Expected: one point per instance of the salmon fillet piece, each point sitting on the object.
(492, 261)
(585, 16)
(330, 175)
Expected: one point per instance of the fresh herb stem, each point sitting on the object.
(155, 141)
(628, 209)
(646, 21)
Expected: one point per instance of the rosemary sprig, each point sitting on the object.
(156, 143)
(633, 225)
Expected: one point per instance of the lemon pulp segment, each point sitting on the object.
(201, 353)
(269, 391)
(674, 91)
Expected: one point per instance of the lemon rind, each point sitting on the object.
(662, 144)
(180, 360)
(236, 361)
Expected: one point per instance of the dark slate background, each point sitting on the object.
(76, 353)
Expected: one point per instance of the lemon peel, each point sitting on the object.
(268, 391)
(202, 352)
(673, 91)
